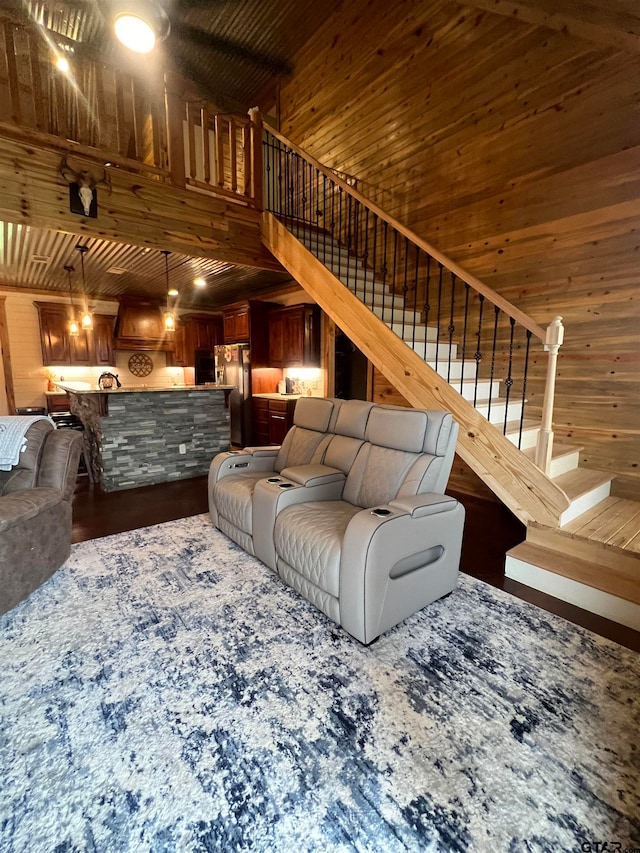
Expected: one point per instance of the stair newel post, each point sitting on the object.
(256, 156)
(544, 446)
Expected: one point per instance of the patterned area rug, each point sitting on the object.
(166, 692)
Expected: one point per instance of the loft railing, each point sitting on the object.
(94, 107)
(102, 112)
(482, 344)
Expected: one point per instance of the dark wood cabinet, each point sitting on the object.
(248, 321)
(54, 336)
(103, 339)
(294, 336)
(58, 403)
(84, 349)
(194, 332)
(260, 408)
(236, 323)
(272, 419)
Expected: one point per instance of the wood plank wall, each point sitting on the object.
(516, 150)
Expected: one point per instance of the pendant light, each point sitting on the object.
(86, 319)
(74, 327)
(169, 315)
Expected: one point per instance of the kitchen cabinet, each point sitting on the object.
(83, 350)
(272, 419)
(294, 336)
(248, 321)
(236, 323)
(194, 332)
(58, 346)
(54, 337)
(103, 339)
(57, 402)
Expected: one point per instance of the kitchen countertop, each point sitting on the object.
(276, 396)
(139, 389)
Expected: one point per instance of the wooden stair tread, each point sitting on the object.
(621, 579)
(614, 521)
(582, 480)
(558, 450)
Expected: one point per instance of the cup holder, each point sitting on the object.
(273, 479)
(285, 485)
(381, 513)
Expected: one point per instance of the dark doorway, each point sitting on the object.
(351, 369)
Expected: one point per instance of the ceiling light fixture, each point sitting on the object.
(138, 24)
(200, 282)
(73, 328)
(86, 320)
(169, 315)
(62, 64)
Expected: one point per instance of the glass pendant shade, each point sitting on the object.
(73, 328)
(169, 314)
(86, 318)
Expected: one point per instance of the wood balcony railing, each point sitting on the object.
(107, 114)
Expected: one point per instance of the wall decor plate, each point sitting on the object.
(140, 364)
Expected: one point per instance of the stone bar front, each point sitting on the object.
(134, 437)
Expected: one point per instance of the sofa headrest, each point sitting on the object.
(313, 413)
(438, 433)
(352, 418)
(397, 428)
(337, 405)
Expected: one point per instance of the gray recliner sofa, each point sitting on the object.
(365, 532)
(35, 511)
(233, 474)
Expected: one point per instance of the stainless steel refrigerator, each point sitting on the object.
(233, 367)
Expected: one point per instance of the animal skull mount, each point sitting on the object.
(83, 197)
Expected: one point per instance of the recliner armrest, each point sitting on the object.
(239, 461)
(271, 451)
(313, 475)
(418, 506)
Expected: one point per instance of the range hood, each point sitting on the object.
(140, 325)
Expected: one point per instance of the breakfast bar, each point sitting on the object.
(142, 436)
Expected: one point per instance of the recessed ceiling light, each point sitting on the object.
(199, 282)
(40, 259)
(172, 292)
(116, 271)
(62, 64)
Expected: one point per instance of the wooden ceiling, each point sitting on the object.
(237, 52)
(34, 259)
(234, 50)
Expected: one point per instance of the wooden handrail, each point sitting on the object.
(495, 298)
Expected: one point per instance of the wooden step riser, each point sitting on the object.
(528, 439)
(585, 502)
(575, 581)
(496, 415)
(396, 316)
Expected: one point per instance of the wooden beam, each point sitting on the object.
(599, 22)
(132, 210)
(6, 357)
(529, 494)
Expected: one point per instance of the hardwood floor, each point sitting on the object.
(490, 530)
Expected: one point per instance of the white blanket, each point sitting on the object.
(13, 439)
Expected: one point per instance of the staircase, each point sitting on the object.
(582, 545)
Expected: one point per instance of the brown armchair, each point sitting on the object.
(35, 511)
